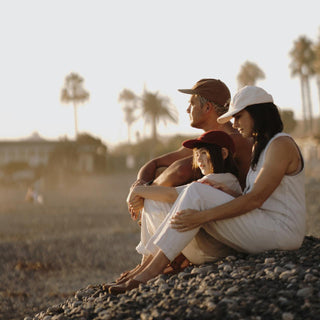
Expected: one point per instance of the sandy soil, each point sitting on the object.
(81, 235)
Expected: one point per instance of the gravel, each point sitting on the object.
(273, 285)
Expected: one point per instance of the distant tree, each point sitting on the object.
(74, 92)
(156, 108)
(249, 74)
(289, 122)
(129, 99)
(317, 66)
(302, 65)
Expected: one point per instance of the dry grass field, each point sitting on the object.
(81, 235)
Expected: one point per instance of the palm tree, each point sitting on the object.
(129, 108)
(156, 108)
(301, 65)
(249, 74)
(317, 66)
(74, 92)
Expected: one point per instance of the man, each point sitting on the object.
(209, 99)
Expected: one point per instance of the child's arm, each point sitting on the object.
(158, 193)
(227, 185)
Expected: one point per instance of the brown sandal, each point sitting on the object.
(120, 280)
(177, 265)
(129, 285)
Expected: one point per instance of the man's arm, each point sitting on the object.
(178, 173)
(148, 171)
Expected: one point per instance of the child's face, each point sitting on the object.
(203, 161)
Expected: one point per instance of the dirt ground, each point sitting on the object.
(81, 235)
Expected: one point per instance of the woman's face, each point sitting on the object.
(244, 123)
(202, 158)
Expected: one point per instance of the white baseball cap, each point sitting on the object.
(246, 96)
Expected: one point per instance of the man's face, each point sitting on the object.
(196, 112)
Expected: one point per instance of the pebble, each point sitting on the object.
(272, 285)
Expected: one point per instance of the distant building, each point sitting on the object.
(36, 152)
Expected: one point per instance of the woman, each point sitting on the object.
(270, 214)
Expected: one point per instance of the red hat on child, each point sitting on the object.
(219, 138)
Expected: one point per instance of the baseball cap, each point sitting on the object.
(212, 89)
(219, 138)
(246, 96)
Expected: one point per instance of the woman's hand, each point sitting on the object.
(186, 220)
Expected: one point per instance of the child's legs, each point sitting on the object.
(152, 216)
(196, 196)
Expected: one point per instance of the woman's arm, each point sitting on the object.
(282, 158)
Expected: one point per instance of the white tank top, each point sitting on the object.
(287, 202)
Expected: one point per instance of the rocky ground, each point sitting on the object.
(272, 285)
(55, 257)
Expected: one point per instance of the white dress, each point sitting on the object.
(278, 224)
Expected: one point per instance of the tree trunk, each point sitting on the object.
(75, 120)
(318, 86)
(129, 133)
(309, 104)
(303, 101)
(154, 129)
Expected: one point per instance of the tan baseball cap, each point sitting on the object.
(212, 89)
(247, 96)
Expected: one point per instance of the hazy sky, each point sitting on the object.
(163, 45)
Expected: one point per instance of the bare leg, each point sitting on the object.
(150, 271)
(154, 268)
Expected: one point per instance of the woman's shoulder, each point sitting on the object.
(282, 140)
(284, 149)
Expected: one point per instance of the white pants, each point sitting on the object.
(153, 213)
(253, 232)
(191, 243)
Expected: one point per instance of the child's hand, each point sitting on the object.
(135, 205)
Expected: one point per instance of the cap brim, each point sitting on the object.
(228, 115)
(188, 91)
(190, 144)
(225, 118)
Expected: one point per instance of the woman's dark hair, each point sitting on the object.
(267, 123)
(219, 165)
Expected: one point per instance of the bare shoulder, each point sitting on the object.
(283, 143)
(284, 150)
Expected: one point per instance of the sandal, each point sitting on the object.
(129, 285)
(177, 265)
